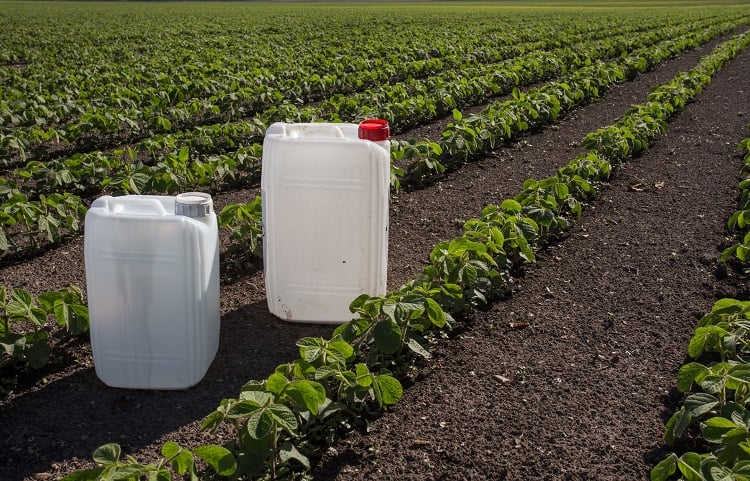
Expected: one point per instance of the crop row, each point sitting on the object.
(414, 101)
(716, 385)
(740, 220)
(120, 105)
(28, 222)
(403, 104)
(113, 123)
(468, 138)
(281, 422)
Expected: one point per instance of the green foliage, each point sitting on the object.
(24, 330)
(740, 220)
(717, 392)
(175, 461)
(245, 225)
(193, 113)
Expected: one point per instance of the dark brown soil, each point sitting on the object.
(581, 393)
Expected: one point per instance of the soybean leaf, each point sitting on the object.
(702, 336)
(170, 449)
(284, 417)
(260, 424)
(511, 206)
(435, 313)
(37, 354)
(689, 373)
(85, 475)
(700, 403)
(219, 458)
(22, 307)
(289, 451)
(310, 348)
(727, 306)
(666, 468)
(307, 394)
(388, 390)
(364, 377)
(689, 464)
(676, 425)
(66, 305)
(417, 348)
(107, 454)
(715, 428)
(387, 336)
(183, 462)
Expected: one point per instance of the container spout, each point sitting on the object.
(193, 204)
(374, 129)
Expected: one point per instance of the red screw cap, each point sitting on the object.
(374, 129)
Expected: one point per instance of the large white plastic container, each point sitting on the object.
(152, 276)
(325, 194)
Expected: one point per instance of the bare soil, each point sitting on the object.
(582, 392)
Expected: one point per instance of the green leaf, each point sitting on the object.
(137, 182)
(107, 454)
(170, 449)
(712, 470)
(387, 336)
(689, 465)
(256, 398)
(183, 462)
(743, 467)
(38, 354)
(85, 475)
(219, 458)
(66, 305)
(343, 348)
(22, 306)
(739, 374)
(682, 422)
(307, 394)
(289, 451)
(700, 403)
(284, 417)
(715, 428)
(713, 383)
(310, 348)
(184, 154)
(511, 206)
(276, 383)
(128, 472)
(213, 421)
(417, 348)
(161, 475)
(364, 377)
(243, 408)
(727, 306)
(388, 390)
(696, 345)
(4, 244)
(666, 468)
(435, 313)
(688, 374)
(260, 424)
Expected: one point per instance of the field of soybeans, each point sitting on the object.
(510, 122)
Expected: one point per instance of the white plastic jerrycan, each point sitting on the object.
(152, 276)
(325, 194)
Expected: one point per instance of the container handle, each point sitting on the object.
(136, 205)
(314, 130)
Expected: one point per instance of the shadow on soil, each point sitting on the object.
(253, 343)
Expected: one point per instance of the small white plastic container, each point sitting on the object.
(325, 191)
(152, 276)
